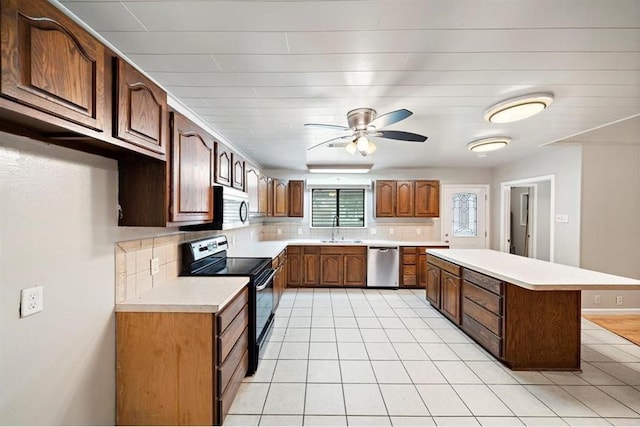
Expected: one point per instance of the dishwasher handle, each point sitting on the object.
(383, 248)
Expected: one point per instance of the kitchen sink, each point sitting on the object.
(341, 241)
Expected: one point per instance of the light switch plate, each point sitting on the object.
(562, 218)
(155, 266)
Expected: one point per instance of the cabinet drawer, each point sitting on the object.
(485, 299)
(294, 249)
(354, 250)
(408, 259)
(408, 270)
(444, 265)
(224, 403)
(486, 318)
(486, 338)
(226, 316)
(409, 280)
(227, 369)
(486, 282)
(312, 249)
(408, 250)
(228, 339)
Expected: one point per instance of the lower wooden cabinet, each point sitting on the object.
(328, 266)
(444, 287)
(413, 266)
(450, 296)
(433, 285)
(280, 265)
(180, 368)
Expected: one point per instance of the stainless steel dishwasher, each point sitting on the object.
(383, 266)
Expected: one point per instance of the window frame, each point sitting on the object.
(337, 188)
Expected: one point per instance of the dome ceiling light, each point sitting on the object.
(520, 108)
(488, 144)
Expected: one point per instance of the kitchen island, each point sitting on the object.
(524, 311)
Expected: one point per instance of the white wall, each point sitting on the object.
(610, 235)
(543, 220)
(565, 163)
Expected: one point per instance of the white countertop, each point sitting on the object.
(271, 248)
(187, 294)
(532, 273)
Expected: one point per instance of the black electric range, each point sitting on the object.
(208, 257)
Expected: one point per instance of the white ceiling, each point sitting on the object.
(256, 71)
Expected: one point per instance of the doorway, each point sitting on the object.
(465, 216)
(526, 217)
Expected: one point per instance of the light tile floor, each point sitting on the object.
(386, 357)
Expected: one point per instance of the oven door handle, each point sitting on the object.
(266, 282)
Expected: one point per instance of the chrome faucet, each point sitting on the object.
(333, 228)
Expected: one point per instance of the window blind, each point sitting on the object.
(346, 204)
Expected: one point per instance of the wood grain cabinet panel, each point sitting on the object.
(295, 267)
(385, 198)
(279, 198)
(237, 174)
(433, 285)
(51, 63)
(263, 195)
(191, 166)
(140, 109)
(296, 199)
(311, 266)
(404, 198)
(331, 270)
(427, 199)
(223, 164)
(355, 270)
(252, 187)
(450, 296)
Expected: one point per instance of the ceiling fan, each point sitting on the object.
(363, 123)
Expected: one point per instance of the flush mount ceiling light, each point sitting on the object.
(339, 168)
(488, 144)
(520, 108)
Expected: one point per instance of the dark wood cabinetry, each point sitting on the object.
(413, 266)
(311, 266)
(252, 184)
(191, 171)
(355, 267)
(279, 198)
(180, 368)
(237, 174)
(444, 287)
(281, 265)
(296, 199)
(294, 267)
(433, 285)
(385, 198)
(140, 109)
(51, 63)
(407, 198)
(223, 164)
(328, 266)
(263, 195)
(331, 269)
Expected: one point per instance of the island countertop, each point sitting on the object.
(532, 273)
(187, 294)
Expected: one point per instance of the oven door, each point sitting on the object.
(263, 319)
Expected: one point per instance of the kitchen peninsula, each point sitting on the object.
(524, 311)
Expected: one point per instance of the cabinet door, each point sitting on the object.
(263, 195)
(331, 270)
(50, 63)
(355, 270)
(427, 198)
(140, 108)
(433, 285)
(191, 166)
(408, 270)
(294, 269)
(311, 269)
(296, 199)
(224, 165)
(237, 173)
(422, 268)
(279, 198)
(385, 198)
(252, 183)
(404, 198)
(450, 297)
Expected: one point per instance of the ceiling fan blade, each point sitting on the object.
(330, 140)
(390, 118)
(400, 135)
(322, 125)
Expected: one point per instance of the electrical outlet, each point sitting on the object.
(373, 231)
(596, 299)
(299, 231)
(391, 231)
(155, 266)
(562, 218)
(418, 230)
(279, 231)
(619, 300)
(31, 301)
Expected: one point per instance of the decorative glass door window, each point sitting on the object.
(465, 215)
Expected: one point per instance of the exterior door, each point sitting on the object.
(464, 216)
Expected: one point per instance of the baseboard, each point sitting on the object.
(610, 311)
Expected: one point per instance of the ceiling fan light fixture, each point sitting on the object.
(339, 168)
(488, 144)
(351, 147)
(520, 108)
(362, 143)
(369, 150)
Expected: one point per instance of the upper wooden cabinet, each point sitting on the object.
(263, 195)
(404, 198)
(51, 63)
(279, 198)
(237, 173)
(251, 184)
(427, 199)
(385, 198)
(140, 109)
(191, 171)
(407, 198)
(296, 199)
(223, 165)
